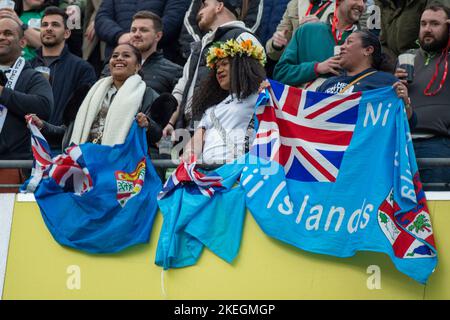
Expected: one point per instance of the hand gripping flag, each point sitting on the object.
(336, 174)
(95, 198)
(186, 172)
(200, 209)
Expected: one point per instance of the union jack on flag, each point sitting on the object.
(187, 173)
(68, 170)
(305, 132)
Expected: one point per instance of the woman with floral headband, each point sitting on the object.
(225, 102)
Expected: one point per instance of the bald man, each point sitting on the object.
(22, 91)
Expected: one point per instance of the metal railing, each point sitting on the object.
(169, 164)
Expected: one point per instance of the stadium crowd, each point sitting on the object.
(85, 69)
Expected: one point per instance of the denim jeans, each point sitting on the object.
(436, 147)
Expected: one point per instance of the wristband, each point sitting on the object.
(277, 48)
(315, 69)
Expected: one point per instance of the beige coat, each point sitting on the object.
(296, 9)
(92, 7)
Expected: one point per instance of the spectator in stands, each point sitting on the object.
(219, 17)
(159, 73)
(23, 90)
(361, 59)
(225, 101)
(112, 104)
(113, 21)
(371, 20)
(272, 14)
(74, 9)
(65, 71)
(28, 14)
(250, 12)
(430, 91)
(93, 50)
(399, 25)
(297, 13)
(310, 55)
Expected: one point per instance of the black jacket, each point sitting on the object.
(32, 94)
(67, 74)
(190, 31)
(114, 19)
(159, 73)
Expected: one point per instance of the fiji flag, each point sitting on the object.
(200, 209)
(95, 198)
(336, 174)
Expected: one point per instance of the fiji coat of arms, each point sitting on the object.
(130, 184)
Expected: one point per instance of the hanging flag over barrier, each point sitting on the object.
(95, 198)
(336, 174)
(200, 209)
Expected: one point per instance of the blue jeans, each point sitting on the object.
(436, 147)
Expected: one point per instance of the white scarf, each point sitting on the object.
(16, 70)
(121, 112)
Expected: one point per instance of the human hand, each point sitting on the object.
(402, 92)
(280, 39)
(142, 120)
(10, 13)
(168, 130)
(35, 120)
(188, 156)
(264, 85)
(330, 65)
(401, 74)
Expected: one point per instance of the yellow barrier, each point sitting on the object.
(39, 268)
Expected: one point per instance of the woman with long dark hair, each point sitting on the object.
(224, 103)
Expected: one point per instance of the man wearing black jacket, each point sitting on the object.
(26, 91)
(113, 21)
(65, 71)
(160, 74)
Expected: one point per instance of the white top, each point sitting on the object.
(206, 40)
(234, 117)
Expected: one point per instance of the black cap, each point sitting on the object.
(235, 6)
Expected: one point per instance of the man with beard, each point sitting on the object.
(312, 54)
(65, 71)
(298, 12)
(146, 31)
(399, 24)
(430, 91)
(219, 17)
(114, 17)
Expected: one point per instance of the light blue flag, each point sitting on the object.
(337, 174)
(200, 209)
(96, 198)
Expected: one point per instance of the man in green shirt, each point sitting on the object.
(311, 55)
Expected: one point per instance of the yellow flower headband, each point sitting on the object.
(232, 48)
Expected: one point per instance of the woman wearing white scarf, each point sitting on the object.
(112, 104)
(109, 109)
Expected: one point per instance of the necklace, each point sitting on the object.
(444, 56)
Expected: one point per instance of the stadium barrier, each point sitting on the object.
(171, 164)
